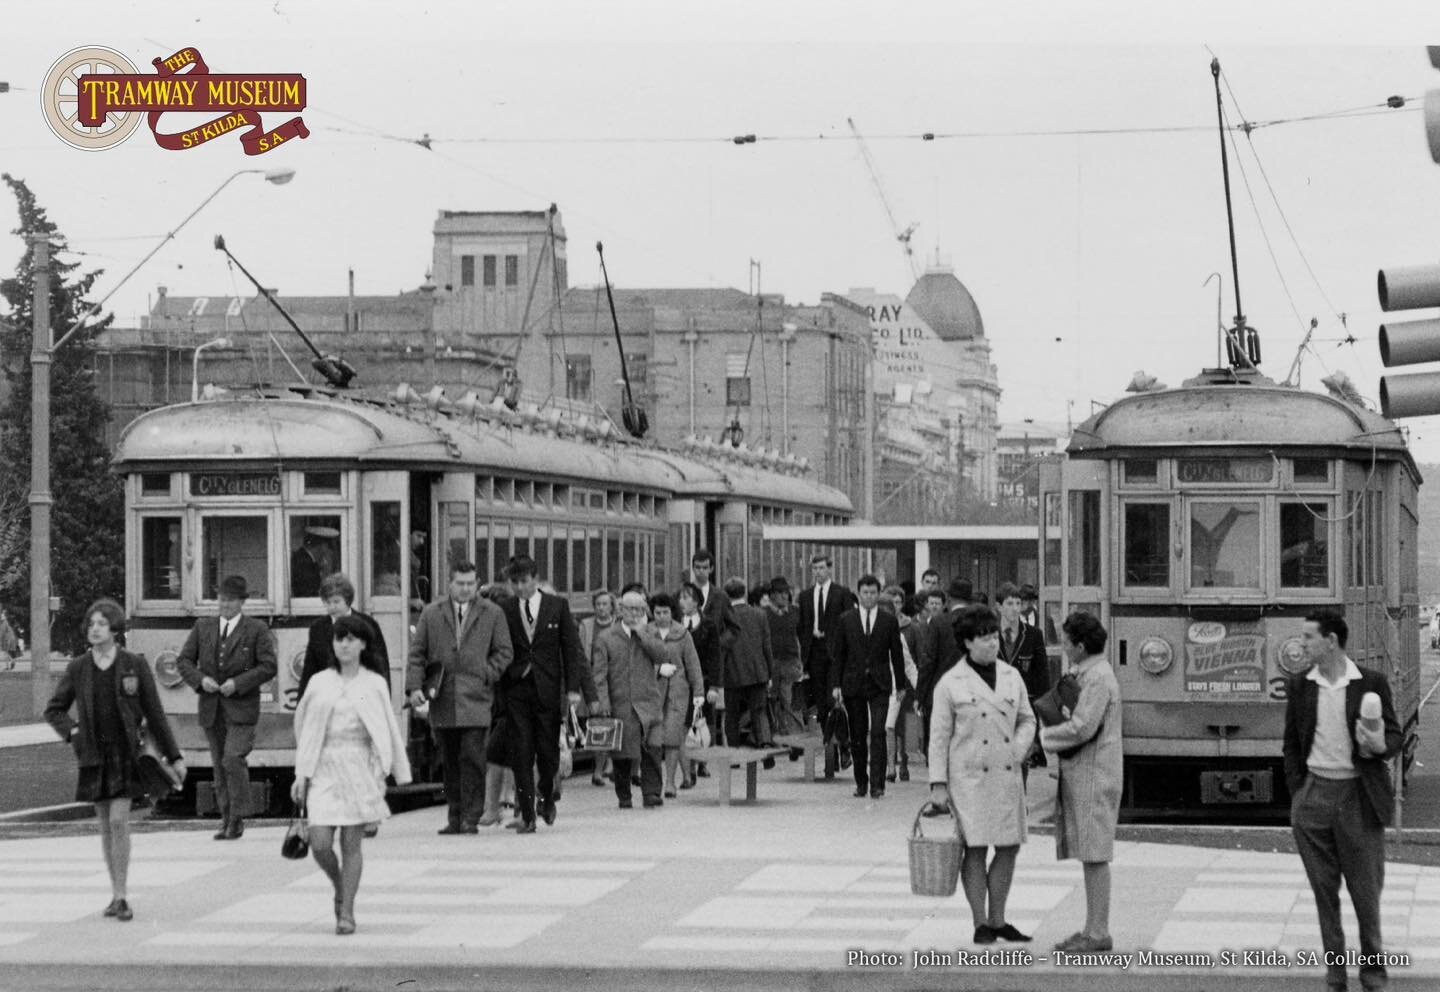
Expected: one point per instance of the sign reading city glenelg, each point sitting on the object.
(94, 98)
(1224, 662)
(234, 484)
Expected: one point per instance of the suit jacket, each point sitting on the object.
(459, 667)
(939, 651)
(752, 659)
(136, 694)
(837, 602)
(1301, 698)
(247, 656)
(721, 614)
(1027, 656)
(867, 666)
(553, 658)
(320, 650)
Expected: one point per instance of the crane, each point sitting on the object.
(902, 236)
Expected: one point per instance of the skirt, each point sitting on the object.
(348, 788)
(113, 778)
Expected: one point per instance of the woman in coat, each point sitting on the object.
(682, 685)
(114, 693)
(346, 741)
(707, 647)
(1087, 806)
(603, 602)
(980, 731)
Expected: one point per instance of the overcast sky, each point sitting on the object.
(1088, 254)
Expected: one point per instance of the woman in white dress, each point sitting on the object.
(346, 741)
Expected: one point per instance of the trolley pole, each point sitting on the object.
(40, 497)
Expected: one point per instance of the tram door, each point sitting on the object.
(387, 570)
(421, 537)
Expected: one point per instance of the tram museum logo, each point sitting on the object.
(94, 99)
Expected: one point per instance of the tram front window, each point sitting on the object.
(315, 552)
(235, 546)
(1147, 544)
(1225, 545)
(1304, 550)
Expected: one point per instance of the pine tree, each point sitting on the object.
(87, 531)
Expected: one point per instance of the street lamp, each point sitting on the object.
(195, 366)
(42, 353)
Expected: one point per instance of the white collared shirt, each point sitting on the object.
(822, 596)
(1330, 752)
(534, 618)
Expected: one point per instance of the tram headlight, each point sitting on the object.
(1156, 655)
(1290, 656)
(297, 666)
(167, 669)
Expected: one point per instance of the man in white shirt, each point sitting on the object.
(1342, 794)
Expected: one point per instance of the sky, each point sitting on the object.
(1089, 252)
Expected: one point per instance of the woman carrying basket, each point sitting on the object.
(981, 727)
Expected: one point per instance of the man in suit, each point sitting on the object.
(939, 649)
(337, 592)
(226, 659)
(867, 666)
(547, 662)
(748, 672)
(822, 604)
(714, 607)
(460, 647)
(1342, 795)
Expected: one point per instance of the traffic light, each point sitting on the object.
(1416, 394)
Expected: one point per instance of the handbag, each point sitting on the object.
(837, 733)
(567, 756)
(1065, 692)
(296, 844)
(604, 733)
(158, 777)
(698, 735)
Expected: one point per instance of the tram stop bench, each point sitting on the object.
(723, 759)
(809, 745)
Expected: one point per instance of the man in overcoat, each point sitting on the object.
(867, 665)
(547, 663)
(460, 647)
(226, 659)
(748, 673)
(627, 656)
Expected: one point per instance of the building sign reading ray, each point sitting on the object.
(1224, 664)
(184, 84)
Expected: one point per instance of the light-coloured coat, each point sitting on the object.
(371, 696)
(684, 685)
(978, 741)
(626, 681)
(462, 668)
(1087, 806)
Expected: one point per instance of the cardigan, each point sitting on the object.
(372, 701)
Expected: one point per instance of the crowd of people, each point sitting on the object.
(501, 673)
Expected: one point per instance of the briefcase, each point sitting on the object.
(158, 777)
(604, 733)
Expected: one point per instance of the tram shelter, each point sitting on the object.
(986, 554)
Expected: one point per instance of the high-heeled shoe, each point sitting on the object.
(345, 925)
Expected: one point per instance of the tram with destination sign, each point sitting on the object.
(1201, 524)
(389, 493)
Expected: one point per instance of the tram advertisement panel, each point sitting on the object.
(1225, 661)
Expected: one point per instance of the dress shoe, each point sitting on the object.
(984, 935)
(1007, 932)
(122, 911)
(521, 826)
(904, 774)
(1082, 943)
(689, 782)
(236, 830)
(651, 802)
(597, 780)
(459, 828)
(877, 792)
(861, 792)
(670, 793)
(224, 832)
(547, 812)
(111, 909)
(345, 925)
(890, 776)
(626, 804)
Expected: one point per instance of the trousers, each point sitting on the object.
(230, 744)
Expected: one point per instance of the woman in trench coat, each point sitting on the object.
(1087, 806)
(981, 727)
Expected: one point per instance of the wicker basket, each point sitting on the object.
(935, 861)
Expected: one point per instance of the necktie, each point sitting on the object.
(867, 623)
(459, 615)
(224, 630)
(1009, 640)
(529, 617)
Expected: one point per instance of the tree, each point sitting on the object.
(87, 533)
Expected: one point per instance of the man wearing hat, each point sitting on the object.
(226, 659)
(306, 565)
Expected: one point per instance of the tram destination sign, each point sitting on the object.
(234, 484)
(1221, 471)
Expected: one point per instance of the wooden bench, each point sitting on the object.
(810, 744)
(723, 759)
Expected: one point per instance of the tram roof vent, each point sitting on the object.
(1229, 377)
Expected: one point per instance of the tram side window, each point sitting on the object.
(160, 558)
(1147, 544)
(1084, 537)
(1051, 547)
(315, 541)
(385, 533)
(1225, 545)
(235, 546)
(1304, 547)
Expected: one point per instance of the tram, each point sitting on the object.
(283, 484)
(1201, 524)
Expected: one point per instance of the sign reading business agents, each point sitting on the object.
(1224, 662)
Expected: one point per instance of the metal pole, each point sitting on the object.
(784, 395)
(40, 497)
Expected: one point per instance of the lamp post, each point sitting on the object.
(41, 357)
(195, 365)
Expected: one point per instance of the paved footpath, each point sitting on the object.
(777, 894)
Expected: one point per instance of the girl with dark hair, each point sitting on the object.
(683, 687)
(707, 648)
(346, 741)
(114, 694)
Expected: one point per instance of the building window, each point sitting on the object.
(467, 270)
(489, 271)
(737, 381)
(638, 366)
(578, 377)
(512, 270)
